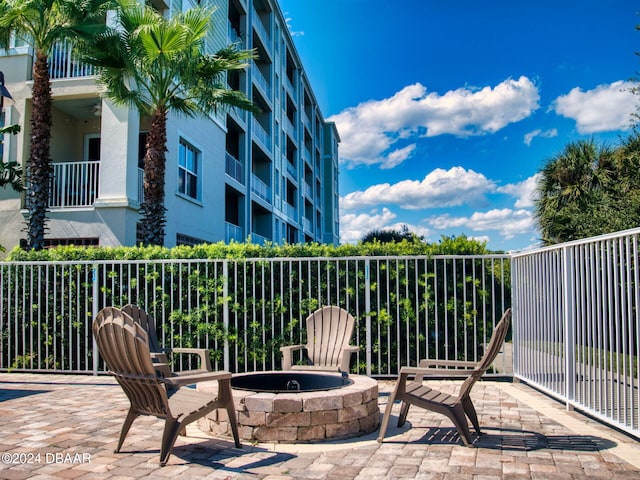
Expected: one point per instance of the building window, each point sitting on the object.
(188, 166)
(182, 239)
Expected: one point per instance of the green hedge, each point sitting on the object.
(421, 305)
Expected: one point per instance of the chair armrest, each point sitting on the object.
(287, 355)
(190, 379)
(345, 357)
(421, 372)
(450, 364)
(159, 357)
(203, 353)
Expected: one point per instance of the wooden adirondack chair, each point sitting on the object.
(124, 347)
(159, 355)
(455, 407)
(329, 330)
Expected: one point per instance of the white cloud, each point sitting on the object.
(605, 108)
(354, 226)
(505, 221)
(440, 188)
(525, 192)
(371, 132)
(539, 133)
(287, 21)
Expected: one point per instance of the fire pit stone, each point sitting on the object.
(300, 416)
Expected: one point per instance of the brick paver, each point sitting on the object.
(66, 426)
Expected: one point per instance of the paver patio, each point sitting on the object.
(66, 426)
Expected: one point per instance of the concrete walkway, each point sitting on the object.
(54, 426)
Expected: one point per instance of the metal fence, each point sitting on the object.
(576, 333)
(407, 308)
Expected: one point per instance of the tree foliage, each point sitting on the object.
(159, 65)
(437, 303)
(391, 235)
(43, 23)
(589, 189)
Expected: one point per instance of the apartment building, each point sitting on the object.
(234, 176)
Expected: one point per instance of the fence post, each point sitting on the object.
(94, 310)
(367, 309)
(225, 313)
(569, 326)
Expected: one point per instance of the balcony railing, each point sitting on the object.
(260, 79)
(291, 211)
(74, 184)
(140, 185)
(233, 36)
(307, 190)
(234, 168)
(232, 232)
(261, 134)
(258, 239)
(261, 29)
(63, 63)
(260, 188)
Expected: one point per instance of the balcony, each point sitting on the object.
(260, 80)
(63, 63)
(140, 185)
(307, 190)
(233, 36)
(258, 239)
(260, 188)
(233, 167)
(261, 134)
(292, 170)
(291, 211)
(74, 184)
(261, 29)
(233, 233)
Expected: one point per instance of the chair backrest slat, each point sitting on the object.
(123, 345)
(329, 329)
(147, 322)
(493, 348)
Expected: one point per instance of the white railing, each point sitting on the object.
(260, 188)
(261, 134)
(292, 169)
(140, 185)
(74, 184)
(261, 29)
(234, 168)
(290, 211)
(232, 232)
(63, 63)
(407, 308)
(577, 325)
(258, 239)
(289, 127)
(233, 36)
(307, 190)
(260, 79)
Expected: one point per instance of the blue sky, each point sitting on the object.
(447, 110)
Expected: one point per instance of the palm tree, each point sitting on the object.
(43, 23)
(573, 192)
(157, 66)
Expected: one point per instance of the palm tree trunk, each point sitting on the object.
(39, 164)
(153, 209)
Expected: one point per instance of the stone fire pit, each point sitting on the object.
(288, 416)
